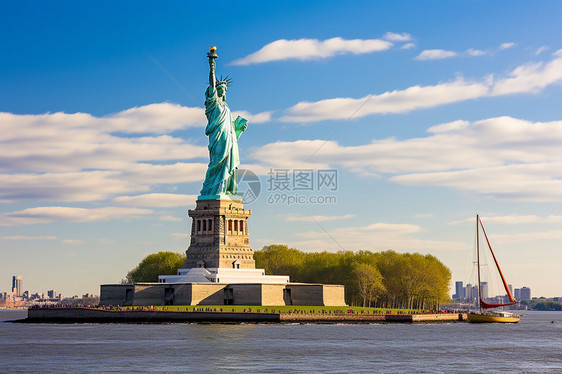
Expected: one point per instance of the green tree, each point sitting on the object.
(403, 280)
(282, 260)
(368, 281)
(153, 265)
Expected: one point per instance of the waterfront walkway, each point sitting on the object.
(217, 315)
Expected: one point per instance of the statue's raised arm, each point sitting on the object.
(212, 55)
(223, 132)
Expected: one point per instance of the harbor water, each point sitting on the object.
(534, 345)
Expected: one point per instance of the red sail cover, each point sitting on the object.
(488, 306)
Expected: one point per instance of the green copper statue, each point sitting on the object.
(223, 133)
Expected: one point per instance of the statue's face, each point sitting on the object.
(221, 90)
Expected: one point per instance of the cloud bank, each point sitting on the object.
(396, 37)
(68, 214)
(377, 236)
(79, 157)
(435, 54)
(529, 78)
(502, 157)
(310, 49)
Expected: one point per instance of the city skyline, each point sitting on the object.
(393, 125)
(470, 291)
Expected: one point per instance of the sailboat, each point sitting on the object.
(485, 315)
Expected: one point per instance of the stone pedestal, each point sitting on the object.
(219, 235)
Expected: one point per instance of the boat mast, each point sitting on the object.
(478, 264)
(511, 299)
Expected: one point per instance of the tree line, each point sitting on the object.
(378, 279)
(542, 305)
(385, 279)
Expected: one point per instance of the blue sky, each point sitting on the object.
(430, 112)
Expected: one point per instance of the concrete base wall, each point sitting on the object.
(115, 294)
(206, 294)
(303, 294)
(222, 294)
(272, 294)
(333, 295)
(148, 295)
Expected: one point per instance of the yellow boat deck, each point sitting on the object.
(491, 317)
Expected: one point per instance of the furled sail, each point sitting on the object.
(512, 300)
(485, 305)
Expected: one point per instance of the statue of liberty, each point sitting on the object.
(223, 133)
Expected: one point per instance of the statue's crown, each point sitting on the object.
(224, 81)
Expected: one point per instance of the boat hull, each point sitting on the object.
(486, 318)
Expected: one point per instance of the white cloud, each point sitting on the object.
(377, 237)
(530, 78)
(475, 52)
(553, 219)
(541, 50)
(157, 118)
(399, 101)
(435, 54)
(95, 185)
(505, 220)
(25, 237)
(513, 219)
(553, 235)
(531, 182)
(558, 53)
(144, 173)
(507, 45)
(308, 49)
(67, 214)
(253, 118)
(78, 157)
(395, 37)
(523, 79)
(408, 46)
(73, 142)
(294, 218)
(156, 200)
(79, 186)
(170, 218)
(501, 157)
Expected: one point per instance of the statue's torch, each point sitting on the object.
(213, 53)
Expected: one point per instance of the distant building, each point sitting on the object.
(51, 294)
(484, 290)
(517, 293)
(17, 285)
(468, 292)
(525, 293)
(459, 289)
(510, 288)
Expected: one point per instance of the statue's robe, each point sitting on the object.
(223, 133)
